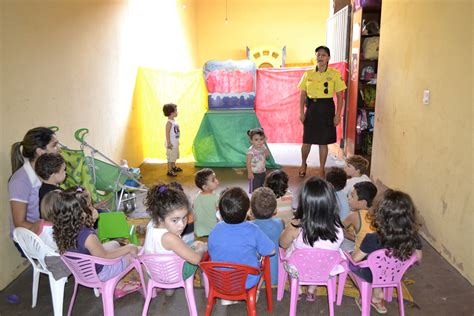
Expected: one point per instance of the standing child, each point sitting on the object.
(356, 167)
(256, 158)
(235, 240)
(396, 229)
(357, 223)
(170, 110)
(338, 178)
(277, 181)
(205, 203)
(51, 168)
(73, 231)
(169, 208)
(316, 224)
(263, 205)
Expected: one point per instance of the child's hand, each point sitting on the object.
(133, 250)
(251, 176)
(200, 246)
(170, 146)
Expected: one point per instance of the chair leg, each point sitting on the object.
(210, 302)
(401, 305)
(57, 294)
(108, 297)
(205, 282)
(282, 276)
(366, 297)
(294, 283)
(268, 290)
(189, 292)
(36, 276)
(251, 301)
(331, 295)
(69, 312)
(341, 283)
(388, 293)
(149, 293)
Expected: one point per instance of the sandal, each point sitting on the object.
(310, 297)
(177, 169)
(300, 296)
(378, 306)
(171, 174)
(302, 172)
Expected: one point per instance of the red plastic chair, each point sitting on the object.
(83, 267)
(226, 280)
(166, 272)
(387, 273)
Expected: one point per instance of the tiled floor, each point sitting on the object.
(438, 289)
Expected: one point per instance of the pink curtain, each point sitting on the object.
(277, 103)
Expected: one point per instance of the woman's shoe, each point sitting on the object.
(302, 172)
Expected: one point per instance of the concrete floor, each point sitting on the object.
(438, 289)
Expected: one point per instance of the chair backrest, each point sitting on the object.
(163, 268)
(227, 278)
(314, 265)
(387, 269)
(33, 247)
(84, 267)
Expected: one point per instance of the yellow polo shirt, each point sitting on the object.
(314, 83)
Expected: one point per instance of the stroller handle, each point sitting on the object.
(80, 134)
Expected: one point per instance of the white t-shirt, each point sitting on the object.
(153, 240)
(350, 183)
(174, 133)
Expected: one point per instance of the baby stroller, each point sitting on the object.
(106, 180)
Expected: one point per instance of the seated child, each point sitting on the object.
(396, 229)
(205, 203)
(235, 240)
(51, 168)
(46, 227)
(316, 225)
(278, 182)
(356, 167)
(73, 231)
(188, 234)
(357, 223)
(169, 208)
(263, 204)
(338, 178)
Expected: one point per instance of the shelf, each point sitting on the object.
(362, 60)
(366, 108)
(367, 82)
(370, 35)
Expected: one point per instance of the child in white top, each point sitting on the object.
(170, 110)
(356, 167)
(257, 155)
(169, 209)
(316, 224)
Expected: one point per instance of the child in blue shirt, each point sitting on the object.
(236, 240)
(338, 178)
(263, 205)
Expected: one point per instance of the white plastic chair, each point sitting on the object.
(36, 251)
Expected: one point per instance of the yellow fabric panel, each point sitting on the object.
(153, 89)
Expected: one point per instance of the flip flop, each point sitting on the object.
(379, 307)
(302, 173)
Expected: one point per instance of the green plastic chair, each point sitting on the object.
(114, 225)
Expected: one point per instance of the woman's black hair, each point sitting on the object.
(163, 199)
(318, 211)
(325, 48)
(38, 137)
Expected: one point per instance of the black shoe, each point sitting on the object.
(171, 174)
(177, 169)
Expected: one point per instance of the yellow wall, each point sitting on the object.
(73, 64)
(426, 150)
(298, 24)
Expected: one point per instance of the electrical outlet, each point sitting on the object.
(426, 97)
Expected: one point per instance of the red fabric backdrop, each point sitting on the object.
(277, 103)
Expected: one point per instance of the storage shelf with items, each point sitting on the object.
(365, 36)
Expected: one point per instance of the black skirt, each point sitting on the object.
(319, 122)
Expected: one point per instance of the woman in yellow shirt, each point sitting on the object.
(320, 118)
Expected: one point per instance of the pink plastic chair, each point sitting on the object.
(166, 272)
(387, 273)
(313, 266)
(84, 271)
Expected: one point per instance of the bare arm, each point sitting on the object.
(303, 96)
(178, 246)
(337, 116)
(19, 210)
(352, 220)
(419, 255)
(358, 255)
(289, 234)
(96, 249)
(168, 132)
(249, 167)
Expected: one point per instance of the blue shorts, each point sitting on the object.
(110, 271)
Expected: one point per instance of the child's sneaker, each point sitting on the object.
(171, 174)
(227, 302)
(177, 169)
